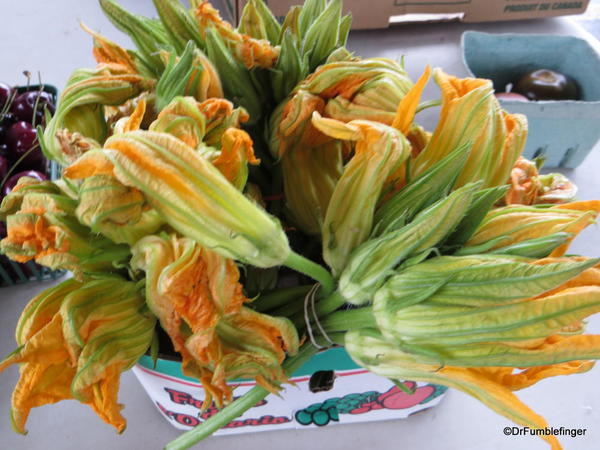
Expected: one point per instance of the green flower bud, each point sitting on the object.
(257, 21)
(372, 262)
(179, 24)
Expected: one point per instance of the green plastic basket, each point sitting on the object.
(12, 273)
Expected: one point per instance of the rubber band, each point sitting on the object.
(310, 298)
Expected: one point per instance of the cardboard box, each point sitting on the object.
(372, 14)
(356, 396)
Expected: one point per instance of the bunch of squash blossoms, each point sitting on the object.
(210, 166)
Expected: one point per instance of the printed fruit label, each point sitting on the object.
(356, 396)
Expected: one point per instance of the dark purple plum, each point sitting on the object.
(21, 139)
(13, 180)
(3, 150)
(25, 104)
(6, 92)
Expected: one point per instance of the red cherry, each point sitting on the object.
(6, 93)
(5, 123)
(21, 139)
(26, 103)
(3, 167)
(13, 180)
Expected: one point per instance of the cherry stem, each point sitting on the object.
(18, 161)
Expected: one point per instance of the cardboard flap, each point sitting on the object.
(374, 14)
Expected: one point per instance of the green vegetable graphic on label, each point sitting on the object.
(321, 414)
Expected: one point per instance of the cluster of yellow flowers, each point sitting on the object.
(201, 165)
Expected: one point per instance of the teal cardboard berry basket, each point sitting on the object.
(565, 131)
(12, 273)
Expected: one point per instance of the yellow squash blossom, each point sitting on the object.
(528, 187)
(73, 145)
(190, 73)
(349, 219)
(369, 89)
(371, 262)
(291, 124)
(311, 175)
(524, 183)
(203, 81)
(173, 176)
(12, 202)
(235, 155)
(220, 115)
(74, 341)
(107, 52)
(251, 52)
(42, 225)
(407, 108)
(515, 224)
(471, 113)
(198, 299)
(80, 107)
(132, 122)
(484, 324)
(197, 123)
(183, 119)
(555, 188)
(311, 161)
(119, 212)
(493, 386)
(253, 345)
(258, 21)
(209, 85)
(106, 205)
(194, 123)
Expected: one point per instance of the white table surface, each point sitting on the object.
(45, 36)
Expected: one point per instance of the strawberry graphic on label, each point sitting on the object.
(321, 414)
(395, 398)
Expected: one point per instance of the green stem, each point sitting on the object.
(315, 271)
(322, 308)
(349, 319)
(290, 309)
(330, 304)
(279, 298)
(428, 104)
(239, 406)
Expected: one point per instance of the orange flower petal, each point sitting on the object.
(106, 51)
(407, 107)
(135, 120)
